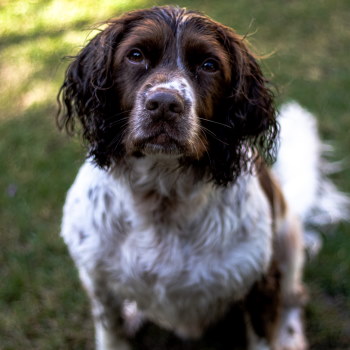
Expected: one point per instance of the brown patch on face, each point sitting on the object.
(153, 40)
(209, 64)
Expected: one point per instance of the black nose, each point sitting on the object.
(163, 104)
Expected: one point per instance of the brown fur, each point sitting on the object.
(234, 104)
(107, 93)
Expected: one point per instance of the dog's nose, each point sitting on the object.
(164, 104)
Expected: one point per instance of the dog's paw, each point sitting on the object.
(291, 333)
(133, 318)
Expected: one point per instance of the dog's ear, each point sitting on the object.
(248, 110)
(251, 100)
(88, 93)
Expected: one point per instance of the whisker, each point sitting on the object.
(206, 149)
(213, 134)
(118, 114)
(119, 139)
(115, 122)
(215, 122)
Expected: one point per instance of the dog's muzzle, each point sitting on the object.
(164, 119)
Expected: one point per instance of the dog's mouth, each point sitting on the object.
(160, 144)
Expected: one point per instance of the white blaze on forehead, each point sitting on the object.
(179, 61)
(182, 19)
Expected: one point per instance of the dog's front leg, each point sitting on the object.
(109, 323)
(107, 338)
(107, 314)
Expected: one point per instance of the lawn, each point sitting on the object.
(41, 303)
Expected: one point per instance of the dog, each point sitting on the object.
(175, 220)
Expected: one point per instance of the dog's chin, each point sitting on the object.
(161, 145)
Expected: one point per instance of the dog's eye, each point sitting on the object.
(135, 56)
(210, 66)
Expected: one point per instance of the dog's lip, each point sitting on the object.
(162, 138)
(161, 143)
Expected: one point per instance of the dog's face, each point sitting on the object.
(170, 74)
(170, 82)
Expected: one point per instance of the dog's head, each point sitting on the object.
(173, 83)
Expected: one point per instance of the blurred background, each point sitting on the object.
(42, 305)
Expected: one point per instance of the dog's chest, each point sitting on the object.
(192, 264)
(180, 263)
(164, 263)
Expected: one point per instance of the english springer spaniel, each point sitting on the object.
(175, 222)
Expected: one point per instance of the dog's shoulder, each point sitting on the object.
(91, 199)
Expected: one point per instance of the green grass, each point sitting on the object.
(41, 303)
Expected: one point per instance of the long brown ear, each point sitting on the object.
(88, 78)
(252, 99)
(85, 93)
(248, 110)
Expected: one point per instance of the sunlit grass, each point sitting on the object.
(36, 15)
(36, 35)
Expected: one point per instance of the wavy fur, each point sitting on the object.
(236, 119)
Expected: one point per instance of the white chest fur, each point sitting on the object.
(179, 250)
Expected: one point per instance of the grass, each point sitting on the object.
(41, 303)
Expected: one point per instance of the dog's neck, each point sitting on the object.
(162, 187)
(163, 175)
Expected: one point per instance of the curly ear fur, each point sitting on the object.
(88, 93)
(249, 127)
